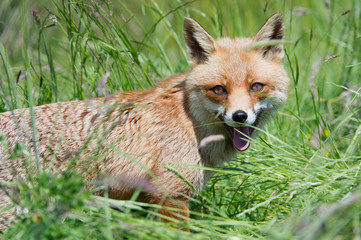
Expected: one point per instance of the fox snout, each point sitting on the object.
(239, 116)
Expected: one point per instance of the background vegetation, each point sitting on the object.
(300, 179)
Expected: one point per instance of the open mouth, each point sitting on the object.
(241, 136)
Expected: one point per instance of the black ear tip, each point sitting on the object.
(277, 17)
(276, 20)
(188, 25)
(188, 21)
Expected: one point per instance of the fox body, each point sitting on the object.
(148, 139)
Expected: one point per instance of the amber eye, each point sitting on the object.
(257, 87)
(219, 90)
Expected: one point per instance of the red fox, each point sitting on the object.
(165, 138)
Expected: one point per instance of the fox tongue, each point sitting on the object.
(240, 138)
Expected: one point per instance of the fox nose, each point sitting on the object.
(239, 116)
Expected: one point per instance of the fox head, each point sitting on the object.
(238, 82)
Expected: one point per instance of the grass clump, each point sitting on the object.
(47, 205)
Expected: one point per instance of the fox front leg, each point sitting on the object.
(175, 209)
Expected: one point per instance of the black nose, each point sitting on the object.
(239, 116)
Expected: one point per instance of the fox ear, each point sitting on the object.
(199, 43)
(273, 29)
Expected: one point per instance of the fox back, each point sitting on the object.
(155, 139)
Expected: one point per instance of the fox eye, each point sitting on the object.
(257, 87)
(219, 90)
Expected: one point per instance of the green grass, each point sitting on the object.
(299, 180)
